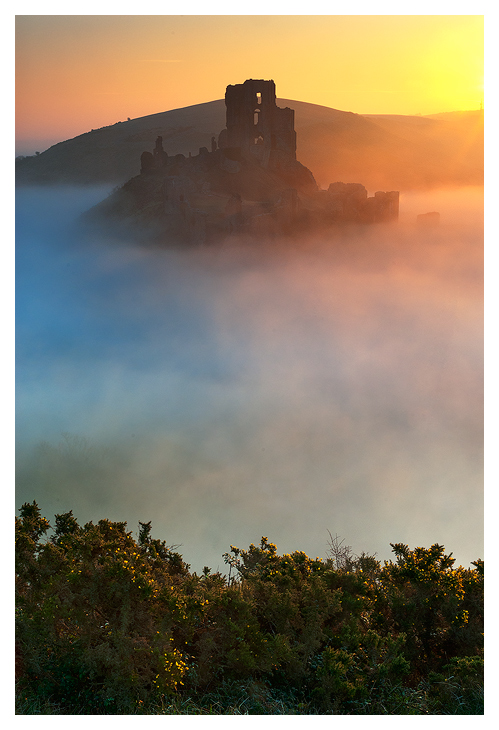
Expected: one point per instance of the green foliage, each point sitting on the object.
(439, 608)
(107, 624)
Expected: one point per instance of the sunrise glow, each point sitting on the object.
(75, 73)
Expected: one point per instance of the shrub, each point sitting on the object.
(107, 624)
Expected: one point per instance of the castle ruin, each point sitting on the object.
(256, 125)
(247, 181)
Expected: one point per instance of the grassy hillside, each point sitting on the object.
(382, 151)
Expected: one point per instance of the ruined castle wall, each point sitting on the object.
(255, 123)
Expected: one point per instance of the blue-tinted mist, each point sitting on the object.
(232, 392)
(83, 307)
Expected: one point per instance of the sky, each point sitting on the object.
(78, 72)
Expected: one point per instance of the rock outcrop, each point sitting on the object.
(249, 182)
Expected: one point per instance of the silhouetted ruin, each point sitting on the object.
(249, 181)
(428, 220)
(256, 125)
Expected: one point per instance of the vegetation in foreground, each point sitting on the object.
(106, 624)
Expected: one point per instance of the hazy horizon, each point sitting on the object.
(27, 147)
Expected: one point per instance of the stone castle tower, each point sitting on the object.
(256, 125)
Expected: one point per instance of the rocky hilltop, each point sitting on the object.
(249, 182)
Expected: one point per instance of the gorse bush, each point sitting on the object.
(106, 624)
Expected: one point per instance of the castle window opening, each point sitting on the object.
(258, 97)
(255, 116)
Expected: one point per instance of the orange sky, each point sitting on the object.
(75, 73)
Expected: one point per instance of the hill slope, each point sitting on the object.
(380, 151)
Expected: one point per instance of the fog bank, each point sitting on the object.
(281, 388)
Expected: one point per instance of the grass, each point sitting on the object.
(254, 698)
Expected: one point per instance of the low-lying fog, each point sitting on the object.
(281, 389)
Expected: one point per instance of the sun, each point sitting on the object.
(454, 65)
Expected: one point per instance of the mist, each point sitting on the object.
(279, 388)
